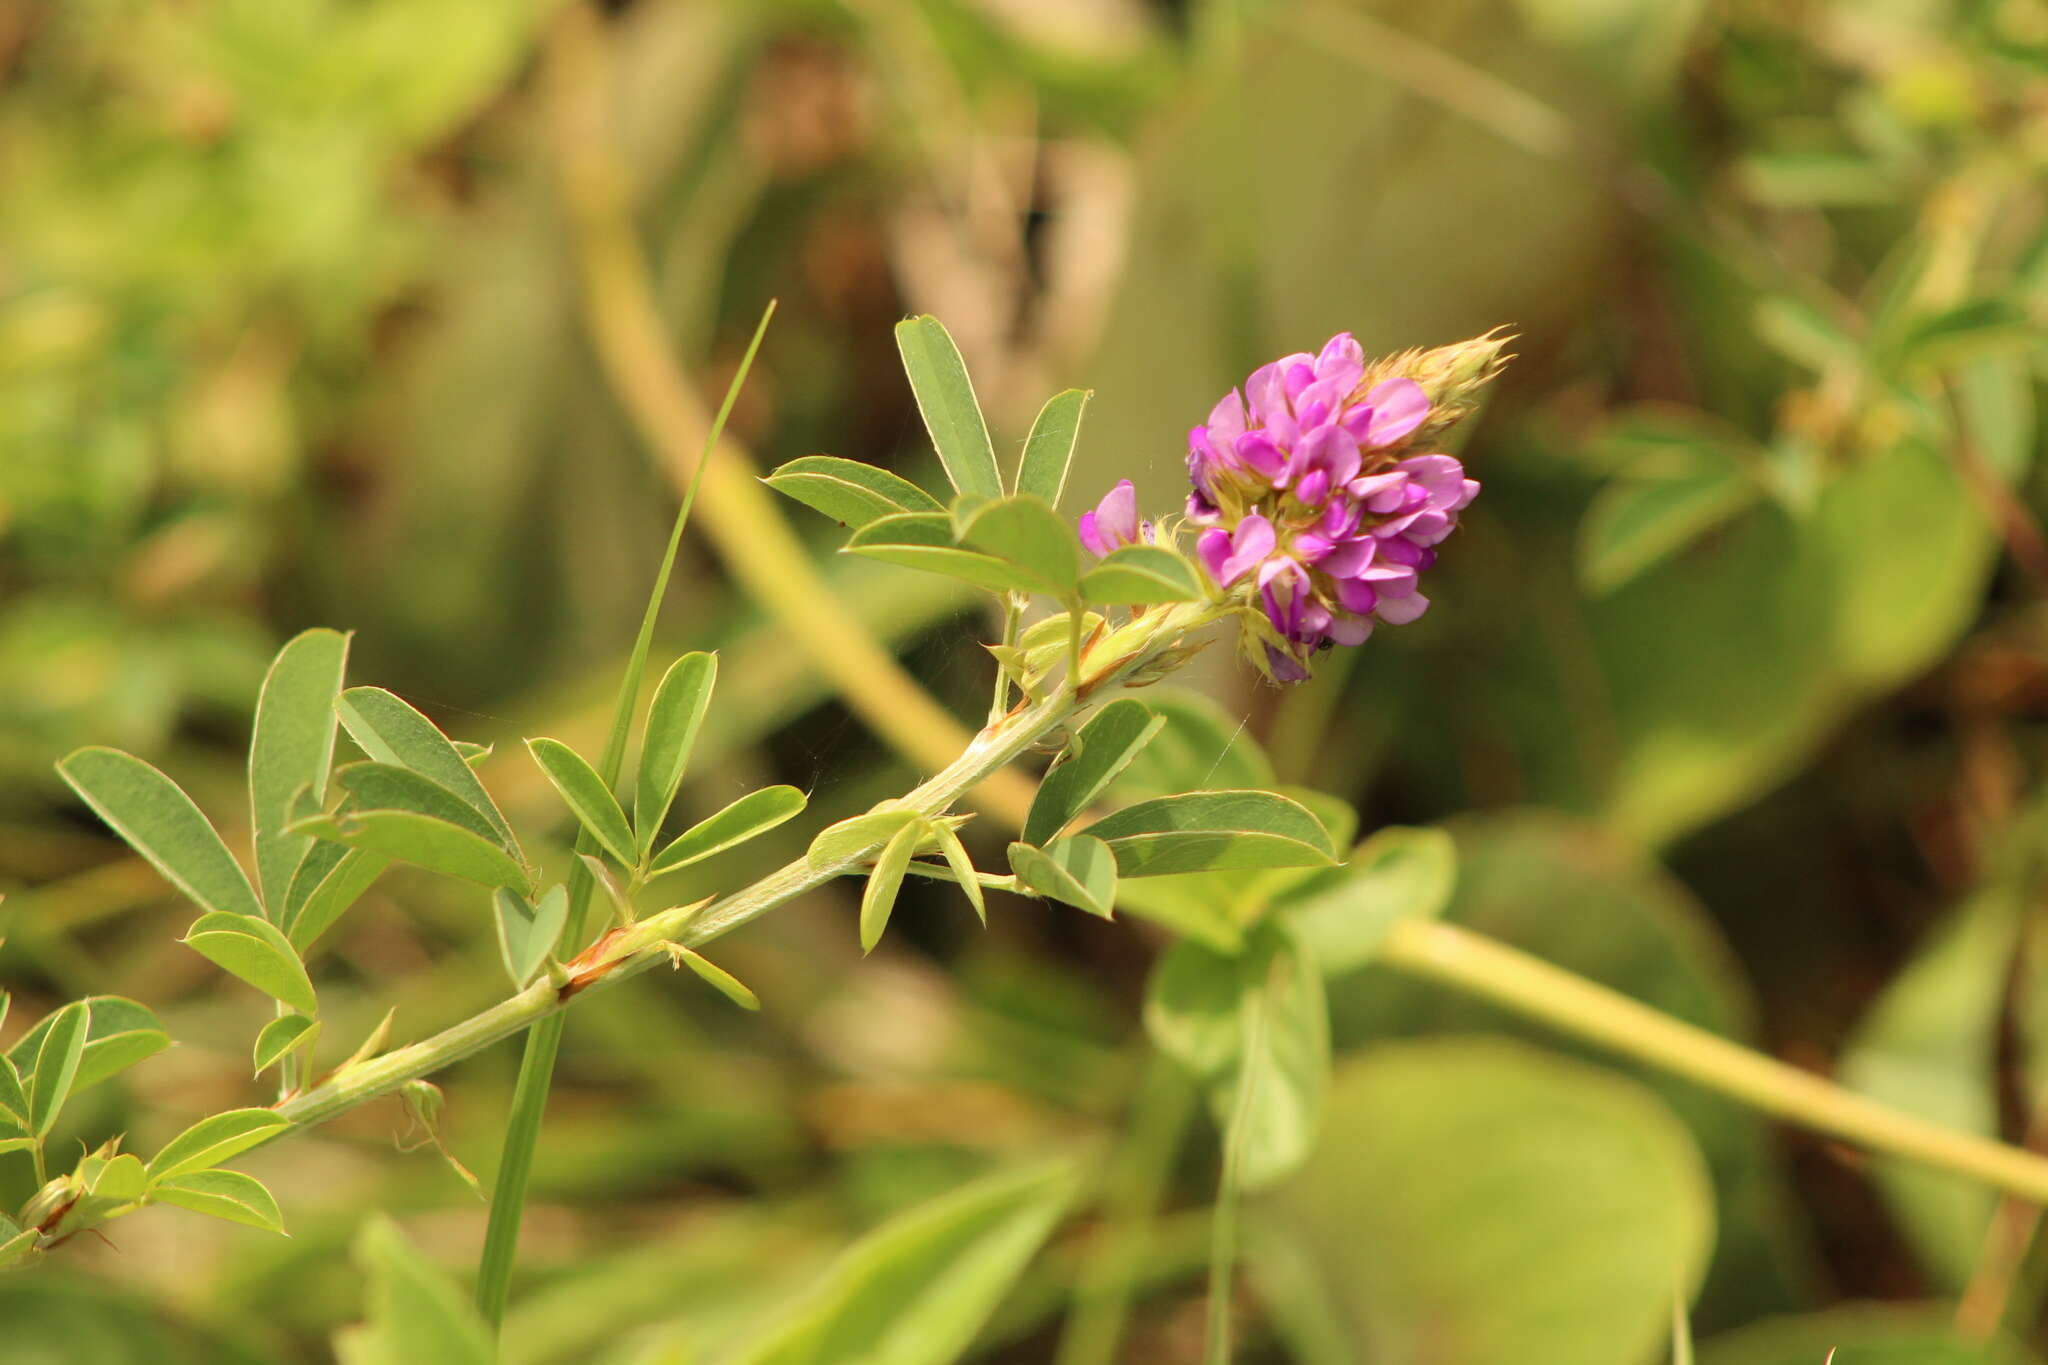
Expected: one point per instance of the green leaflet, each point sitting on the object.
(1142, 575)
(879, 897)
(56, 1067)
(755, 813)
(924, 540)
(282, 1036)
(528, 930)
(415, 1312)
(330, 879)
(1203, 831)
(230, 1195)
(386, 786)
(1102, 749)
(155, 817)
(945, 398)
(718, 978)
(1049, 449)
(119, 1033)
(673, 718)
(390, 731)
(255, 951)
(290, 750)
(586, 794)
(848, 491)
(433, 844)
(1346, 913)
(213, 1140)
(857, 834)
(1079, 870)
(1025, 533)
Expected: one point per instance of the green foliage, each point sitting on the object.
(528, 930)
(1079, 870)
(414, 1311)
(213, 1140)
(1861, 1334)
(1142, 575)
(281, 1037)
(878, 898)
(951, 412)
(255, 951)
(753, 814)
(1049, 449)
(1112, 738)
(119, 1033)
(391, 731)
(228, 1195)
(408, 836)
(586, 794)
(290, 749)
(851, 493)
(1213, 831)
(156, 818)
(917, 1290)
(673, 718)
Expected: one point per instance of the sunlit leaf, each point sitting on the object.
(282, 1036)
(955, 854)
(673, 718)
(231, 1195)
(857, 834)
(56, 1066)
(1049, 449)
(1025, 532)
(755, 813)
(586, 794)
(330, 879)
(924, 540)
(945, 397)
(848, 491)
(214, 1139)
(1079, 870)
(1202, 831)
(420, 839)
(718, 978)
(1101, 750)
(257, 953)
(390, 731)
(878, 898)
(290, 750)
(386, 786)
(159, 821)
(120, 1033)
(1141, 575)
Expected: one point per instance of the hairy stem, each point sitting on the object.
(1585, 1010)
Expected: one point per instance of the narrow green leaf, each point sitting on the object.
(120, 1033)
(231, 1195)
(213, 1140)
(879, 898)
(290, 750)
(1635, 524)
(719, 979)
(924, 540)
(963, 868)
(672, 721)
(1141, 575)
(1025, 532)
(1049, 449)
(159, 821)
(1080, 870)
(528, 931)
(919, 1290)
(390, 731)
(1203, 831)
(56, 1066)
(386, 786)
(255, 951)
(433, 844)
(330, 879)
(586, 794)
(282, 1036)
(415, 1311)
(1104, 747)
(755, 813)
(945, 396)
(856, 835)
(848, 491)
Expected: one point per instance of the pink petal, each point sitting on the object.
(1398, 407)
(1399, 611)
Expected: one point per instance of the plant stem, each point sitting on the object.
(1131, 1192)
(537, 1064)
(1223, 1222)
(1573, 1005)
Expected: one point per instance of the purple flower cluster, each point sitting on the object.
(1304, 488)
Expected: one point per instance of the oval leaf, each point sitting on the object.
(1102, 749)
(1204, 831)
(848, 491)
(213, 1140)
(390, 731)
(1049, 449)
(386, 786)
(578, 784)
(1026, 532)
(231, 1195)
(755, 813)
(1141, 575)
(1081, 871)
(672, 721)
(433, 844)
(56, 1066)
(119, 1033)
(924, 540)
(528, 931)
(290, 750)
(945, 397)
(155, 817)
(257, 953)
(281, 1037)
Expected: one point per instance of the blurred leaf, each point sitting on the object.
(719, 979)
(433, 844)
(255, 951)
(1634, 523)
(879, 897)
(1976, 330)
(1929, 1046)
(120, 1033)
(528, 932)
(1996, 395)
(1816, 180)
(282, 1036)
(229, 1195)
(917, 1290)
(586, 794)
(1025, 532)
(755, 813)
(1141, 575)
(945, 397)
(851, 493)
(290, 749)
(673, 718)
(390, 731)
(1079, 870)
(14, 1105)
(1202, 746)
(1099, 751)
(414, 1311)
(213, 1140)
(1805, 335)
(159, 821)
(1860, 1334)
(956, 856)
(56, 1066)
(1049, 449)
(386, 786)
(1203, 831)
(924, 540)
(330, 879)
(1575, 1197)
(1198, 1010)
(1344, 916)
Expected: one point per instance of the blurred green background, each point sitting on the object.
(1733, 693)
